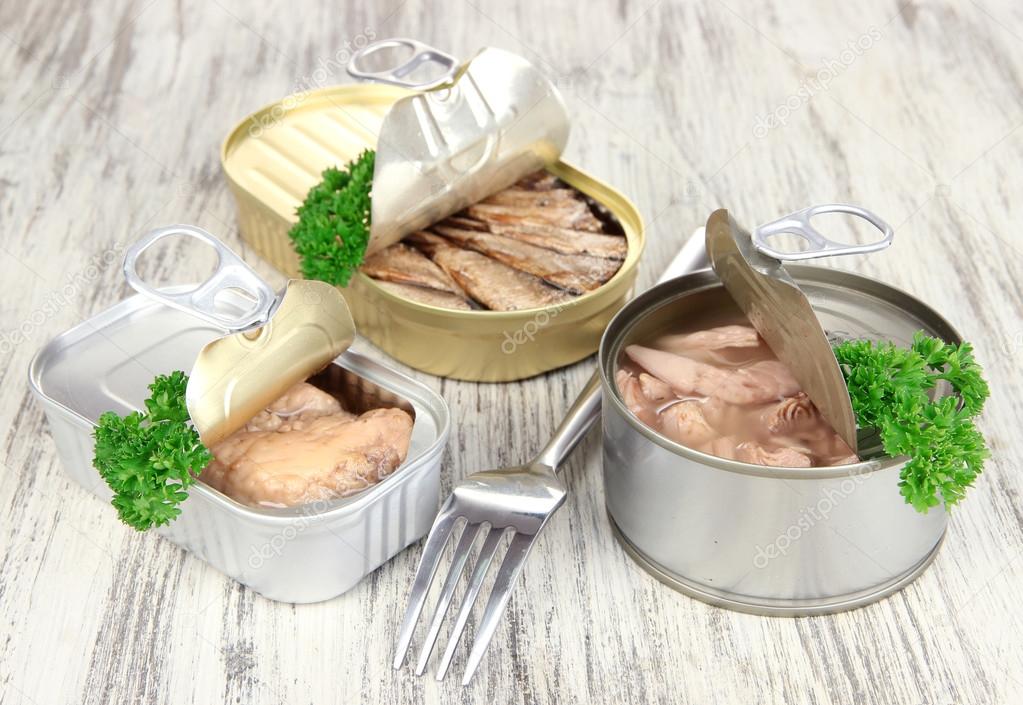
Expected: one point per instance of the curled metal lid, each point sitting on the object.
(752, 272)
(468, 132)
(277, 343)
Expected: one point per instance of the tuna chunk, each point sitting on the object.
(298, 406)
(632, 395)
(778, 457)
(761, 382)
(684, 422)
(305, 448)
(654, 389)
(722, 391)
(724, 447)
(733, 336)
(791, 414)
(685, 376)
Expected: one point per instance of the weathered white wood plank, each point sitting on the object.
(111, 123)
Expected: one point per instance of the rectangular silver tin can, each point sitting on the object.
(753, 538)
(298, 554)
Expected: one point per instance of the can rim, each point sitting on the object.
(704, 280)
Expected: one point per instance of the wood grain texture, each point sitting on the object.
(111, 121)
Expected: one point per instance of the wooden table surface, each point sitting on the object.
(112, 117)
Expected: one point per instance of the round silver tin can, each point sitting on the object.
(766, 540)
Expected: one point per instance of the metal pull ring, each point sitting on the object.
(397, 75)
(798, 223)
(231, 273)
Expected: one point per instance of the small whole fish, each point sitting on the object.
(564, 240)
(540, 181)
(575, 215)
(405, 265)
(537, 243)
(425, 295)
(489, 282)
(528, 198)
(576, 273)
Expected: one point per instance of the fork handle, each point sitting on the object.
(576, 423)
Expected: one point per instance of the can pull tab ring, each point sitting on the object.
(231, 274)
(397, 75)
(819, 245)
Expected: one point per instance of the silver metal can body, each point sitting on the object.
(776, 541)
(299, 554)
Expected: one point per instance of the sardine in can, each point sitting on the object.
(274, 156)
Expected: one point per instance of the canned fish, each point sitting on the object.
(273, 157)
(767, 540)
(299, 554)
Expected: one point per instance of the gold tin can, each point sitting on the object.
(275, 155)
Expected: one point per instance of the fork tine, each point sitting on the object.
(510, 569)
(469, 532)
(438, 538)
(490, 545)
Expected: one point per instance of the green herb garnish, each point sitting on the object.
(890, 391)
(332, 231)
(149, 459)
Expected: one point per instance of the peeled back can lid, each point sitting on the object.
(753, 273)
(279, 342)
(473, 130)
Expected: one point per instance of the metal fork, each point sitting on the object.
(521, 498)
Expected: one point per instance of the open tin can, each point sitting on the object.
(305, 553)
(761, 539)
(274, 156)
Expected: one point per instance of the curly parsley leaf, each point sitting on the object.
(891, 389)
(149, 459)
(333, 225)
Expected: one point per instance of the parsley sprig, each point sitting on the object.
(149, 459)
(332, 231)
(891, 387)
